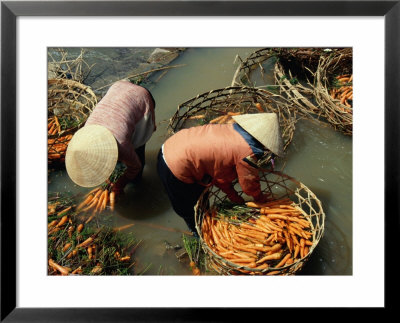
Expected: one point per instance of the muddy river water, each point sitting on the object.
(318, 157)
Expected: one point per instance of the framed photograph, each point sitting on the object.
(199, 31)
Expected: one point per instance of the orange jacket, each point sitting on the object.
(216, 152)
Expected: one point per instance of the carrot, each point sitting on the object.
(66, 247)
(296, 251)
(283, 261)
(233, 113)
(80, 227)
(196, 271)
(96, 270)
(308, 243)
(77, 271)
(217, 119)
(223, 119)
(99, 203)
(63, 220)
(274, 256)
(126, 258)
(52, 224)
(85, 243)
(259, 107)
(289, 261)
(85, 202)
(112, 200)
(90, 218)
(123, 227)
(64, 211)
(105, 200)
(93, 191)
(90, 252)
(63, 270)
(200, 116)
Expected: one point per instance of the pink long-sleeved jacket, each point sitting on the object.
(214, 150)
(127, 110)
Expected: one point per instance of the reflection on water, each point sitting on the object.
(318, 157)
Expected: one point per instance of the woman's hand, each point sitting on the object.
(262, 197)
(236, 199)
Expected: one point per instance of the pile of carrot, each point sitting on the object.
(97, 200)
(76, 248)
(343, 92)
(276, 235)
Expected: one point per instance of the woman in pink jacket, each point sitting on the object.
(217, 154)
(116, 130)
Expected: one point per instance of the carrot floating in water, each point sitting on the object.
(63, 270)
(112, 200)
(123, 227)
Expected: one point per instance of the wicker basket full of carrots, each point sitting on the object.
(69, 105)
(272, 238)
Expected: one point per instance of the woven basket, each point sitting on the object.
(339, 115)
(70, 103)
(280, 186)
(206, 107)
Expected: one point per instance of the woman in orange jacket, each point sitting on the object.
(217, 154)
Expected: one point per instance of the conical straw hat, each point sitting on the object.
(265, 128)
(91, 155)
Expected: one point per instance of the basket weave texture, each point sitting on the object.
(279, 186)
(70, 104)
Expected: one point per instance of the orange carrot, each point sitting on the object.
(77, 271)
(80, 227)
(66, 247)
(85, 243)
(63, 220)
(283, 261)
(64, 211)
(217, 119)
(63, 270)
(112, 200)
(123, 227)
(259, 107)
(274, 256)
(85, 202)
(126, 258)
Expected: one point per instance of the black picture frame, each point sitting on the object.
(10, 10)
